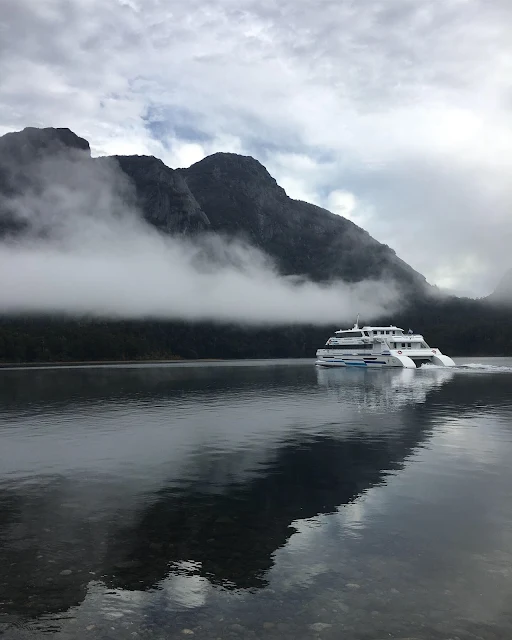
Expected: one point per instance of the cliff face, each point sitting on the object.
(163, 196)
(239, 196)
(32, 144)
(22, 153)
(223, 193)
(21, 156)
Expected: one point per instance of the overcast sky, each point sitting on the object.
(395, 113)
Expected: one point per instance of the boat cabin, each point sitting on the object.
(366, 337)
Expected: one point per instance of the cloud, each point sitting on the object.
(344, 204)
(85, 250)
(376, 99)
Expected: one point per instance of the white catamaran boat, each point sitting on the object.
(379, 347)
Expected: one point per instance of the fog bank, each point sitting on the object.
(86, 250)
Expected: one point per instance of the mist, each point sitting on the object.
(85, 250)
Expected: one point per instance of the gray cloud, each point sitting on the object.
(86, 250)
(410, 103)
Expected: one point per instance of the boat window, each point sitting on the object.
(352, 334)
(351, 347)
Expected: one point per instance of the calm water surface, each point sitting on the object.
(256, 500)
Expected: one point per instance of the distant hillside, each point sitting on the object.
(502, 295)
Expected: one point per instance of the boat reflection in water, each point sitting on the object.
(383, 389)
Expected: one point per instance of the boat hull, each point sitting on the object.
(385, 361)
(378, 364)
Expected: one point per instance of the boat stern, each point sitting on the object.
(442, 361)
(413, 359)
(401, 360)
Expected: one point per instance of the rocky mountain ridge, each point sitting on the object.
(223, 193)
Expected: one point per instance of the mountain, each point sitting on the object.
(22, 155)
(163, 195)
(240, 197)
(235, 195)
(32, 144)
(223, 193)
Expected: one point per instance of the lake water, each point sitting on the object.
(256, 500)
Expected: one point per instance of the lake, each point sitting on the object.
(266, 499)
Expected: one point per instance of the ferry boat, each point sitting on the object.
(379, 347)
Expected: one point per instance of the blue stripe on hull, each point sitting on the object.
(352, 363)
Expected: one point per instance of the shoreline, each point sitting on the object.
(83, 363)
(56, 364)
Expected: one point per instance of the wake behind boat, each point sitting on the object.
(379, 347)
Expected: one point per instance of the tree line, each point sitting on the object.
(456, 326)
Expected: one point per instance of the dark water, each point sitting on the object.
(258, 500)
